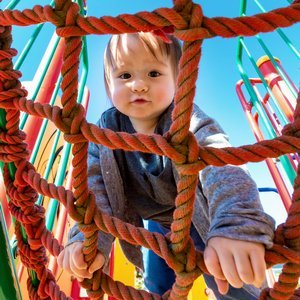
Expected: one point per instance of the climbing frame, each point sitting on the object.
(186, 21)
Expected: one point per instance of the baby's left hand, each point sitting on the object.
(235, 262)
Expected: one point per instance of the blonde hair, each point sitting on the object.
(151, 42)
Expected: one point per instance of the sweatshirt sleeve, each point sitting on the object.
(96, 185)
(234, 207)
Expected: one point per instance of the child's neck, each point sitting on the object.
(145, 127)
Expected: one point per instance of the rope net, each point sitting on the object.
(186, 21)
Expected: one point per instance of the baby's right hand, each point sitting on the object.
(71, 259)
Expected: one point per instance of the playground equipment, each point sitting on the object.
(33, 226)
(272, 104)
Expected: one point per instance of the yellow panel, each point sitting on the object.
(124, 271)
(198, 290)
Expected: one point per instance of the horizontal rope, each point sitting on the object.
(158, 19)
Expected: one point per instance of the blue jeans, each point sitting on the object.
(159, 278)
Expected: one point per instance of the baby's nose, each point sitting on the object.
(139, 86)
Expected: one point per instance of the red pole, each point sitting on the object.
(33, 124)
(275, 173)
(282, 93)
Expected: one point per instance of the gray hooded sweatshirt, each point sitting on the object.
(227, 200)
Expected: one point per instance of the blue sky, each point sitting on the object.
(218, 70)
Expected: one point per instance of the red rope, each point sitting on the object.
(186, 21)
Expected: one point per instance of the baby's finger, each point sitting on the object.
(244, 268)
(212, 263)
(259, 269)
(222, 285)
(97, 263)
(78, 258)
(78, 272)
(230, 272)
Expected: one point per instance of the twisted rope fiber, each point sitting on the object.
(106, 223)
(147, 21)
(114, 225)
(277, 254)
(185, 20)
(23, 196)
(150, 144)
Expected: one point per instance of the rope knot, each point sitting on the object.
(8, 54)
(23, 167)
(8, 95)
(77, 116)
(72, 118)
(89, 229)
(72, 13)
(69, 28)
(186, 279)
(13, 153)
(189, 271)
(7, 72)
(13, 139)
(88, 225)
(183, 261)
(190, 149)
(75, 122)
(194, 15)
(10, 74)
(46, 278)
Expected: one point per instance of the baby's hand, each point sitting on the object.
(235, 262)
(71, 259)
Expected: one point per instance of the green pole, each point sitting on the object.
(28, 46)
(12, 4)
(281, 33)
(9, 285)
(9, 288)
(59, 180)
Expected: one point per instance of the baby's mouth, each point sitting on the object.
(139, 101)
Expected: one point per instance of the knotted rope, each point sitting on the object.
(186, 21)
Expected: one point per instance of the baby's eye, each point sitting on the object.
(154, 74)
(125, 76)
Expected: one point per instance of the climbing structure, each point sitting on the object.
(269, 97)
(23, 183)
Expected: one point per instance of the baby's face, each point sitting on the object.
(141, 86)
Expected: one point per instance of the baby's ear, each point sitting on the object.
(109, 94)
